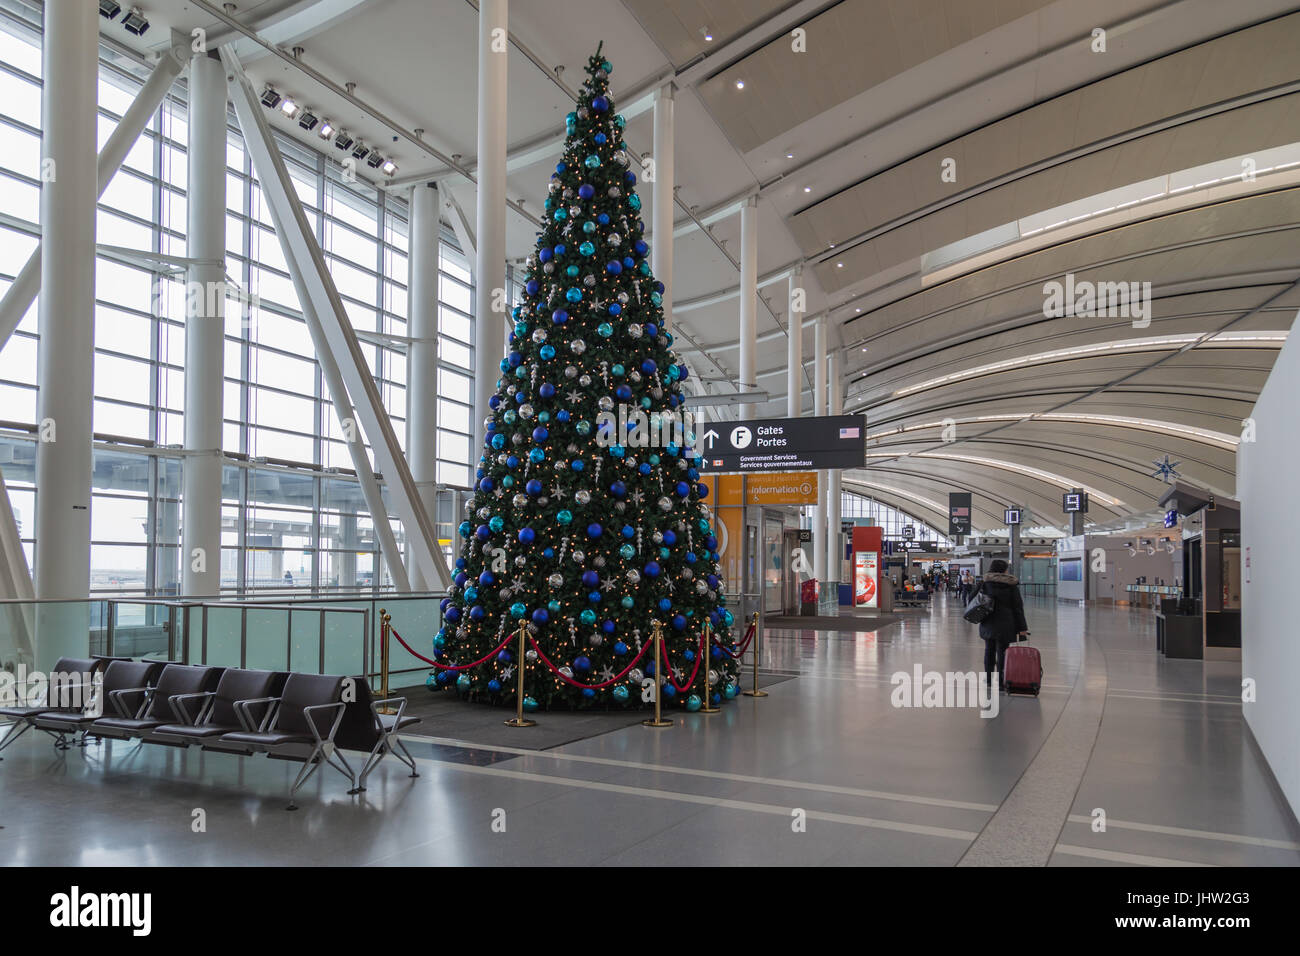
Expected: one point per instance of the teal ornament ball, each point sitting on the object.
(592, 162)
(618, 371)
(693, 703)
(634, 201)
(627, 602)
(604, 330)
(564, 516)
(729, 618)
(588, 616)
(462, 683)
(620, 693)
(730, 691)
(553, 606)
(587, 249)
(583, 428)
(518, 610)
(530, 704)
(497, 523)
(627, 552)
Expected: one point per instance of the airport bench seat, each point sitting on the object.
(67, 691)
(120, 678)
(124, 722)
(217, 710)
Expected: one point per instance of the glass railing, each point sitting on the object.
(314, 635)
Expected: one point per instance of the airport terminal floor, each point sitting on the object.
(1157, 750)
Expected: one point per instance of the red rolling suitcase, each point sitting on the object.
(1024, 669)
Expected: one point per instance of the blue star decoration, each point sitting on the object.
(1166, 470)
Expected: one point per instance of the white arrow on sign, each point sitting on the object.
(709, 437)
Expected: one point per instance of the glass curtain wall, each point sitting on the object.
(292, 512)
(889, 518)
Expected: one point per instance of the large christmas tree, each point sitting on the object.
(587, 522)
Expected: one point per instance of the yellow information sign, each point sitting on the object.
(781, 488)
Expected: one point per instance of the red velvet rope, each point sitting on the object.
(451, 667)
(573, 683)
(744, 645)
(699, 655)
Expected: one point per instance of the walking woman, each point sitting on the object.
(1006, 624)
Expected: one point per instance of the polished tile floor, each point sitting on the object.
(825, 771)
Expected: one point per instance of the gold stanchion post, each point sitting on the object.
(385, 635)
(658, 720)
(754, 650)
(519, 720)
(706, 707)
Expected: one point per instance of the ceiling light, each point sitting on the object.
(270, 98)
(374, 161)
(343, 140)
(390, 167)
(807, 189)
(326, 130)
(134, 22)
(308, 119)
(289, 108)
(360, 151)
(740, 84)
(109, 8)
(708, 36)
(839, 265)
(789, 155)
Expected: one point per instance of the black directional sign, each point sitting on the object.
(784, 444)
(959, 507)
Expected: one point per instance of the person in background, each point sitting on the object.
(1006, 624)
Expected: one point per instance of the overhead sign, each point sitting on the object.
(1171, 518)
(1073, 501)
(799, 488)
(909, 532)
(785, 444)
(959, 508)
(1011, 516)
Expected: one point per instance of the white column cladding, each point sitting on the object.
(748, 300)
(65, 323)
(834, 549)
(819, 408)
(422, 357)
(661, 225)
(204, 329)
(794, 352)
(490, 260)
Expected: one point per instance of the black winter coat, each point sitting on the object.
(1008, 617)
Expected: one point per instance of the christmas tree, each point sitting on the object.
(587, 521)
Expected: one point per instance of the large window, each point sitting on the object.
(889, 518)
(292, 514)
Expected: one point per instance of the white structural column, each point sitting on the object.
(205, 322)
(65, 353)
(834, 549)
(748, 300)
(490, 261)
(422, 357)
(661, 225)
(794, 352)
(20, 295)
(819, 408)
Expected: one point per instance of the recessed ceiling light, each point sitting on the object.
(740, 84)
(807, 189)
(288, 107)
(708, 36)
(860, 309)
(839, 265)
(326, 130)
(789, 155)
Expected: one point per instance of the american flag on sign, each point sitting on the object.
(850, 432)
(717, 463)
